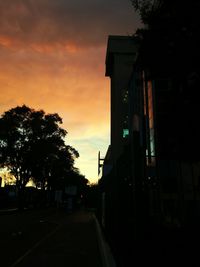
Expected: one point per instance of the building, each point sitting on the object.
(116, 184)
(151, 172)
(121, 54)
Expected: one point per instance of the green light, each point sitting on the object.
(125, 133)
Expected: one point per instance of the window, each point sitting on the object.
(125, 133)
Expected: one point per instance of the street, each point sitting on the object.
(48, 238)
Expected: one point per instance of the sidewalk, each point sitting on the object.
(77, 241)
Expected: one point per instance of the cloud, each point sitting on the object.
(73, 85)
(70, 23)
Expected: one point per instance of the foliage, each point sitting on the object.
(169, 50)
(75, 178)
(171, 35)
(155, 12)
(147, 8)
(32, 147)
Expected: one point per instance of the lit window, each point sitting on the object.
(125, 133)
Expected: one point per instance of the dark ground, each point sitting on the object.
(48, 238)
(158, 248)
(51, 238)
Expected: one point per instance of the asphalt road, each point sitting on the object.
(49, 238)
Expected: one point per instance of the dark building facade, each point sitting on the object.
(151, 171)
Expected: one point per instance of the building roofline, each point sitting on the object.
(118, 44)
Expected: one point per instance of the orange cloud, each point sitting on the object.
(64, 84)
(5, 41)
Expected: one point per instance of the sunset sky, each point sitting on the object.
(52, 57)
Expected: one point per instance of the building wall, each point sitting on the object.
(121, 54)
(119, 107)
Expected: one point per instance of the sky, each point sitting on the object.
(52, 57)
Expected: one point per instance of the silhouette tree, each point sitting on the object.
(171, 35)
(32, 146)
(155, 11)
(75, 179)
(169, 49)
(147, 8)
(61, 164)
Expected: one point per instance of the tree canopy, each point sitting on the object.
(147, 8)
(169, 50)
(154, 12)
(169, 42)
(32, 147)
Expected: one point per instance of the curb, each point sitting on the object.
(106, 255)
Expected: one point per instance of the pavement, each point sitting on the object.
(70, 240)
(55, 238)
